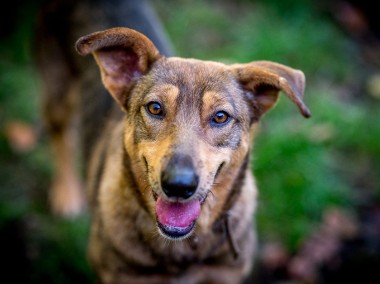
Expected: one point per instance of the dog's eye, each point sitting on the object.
(154, 108)
(220, 118)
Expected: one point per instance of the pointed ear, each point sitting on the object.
(265, 79)
(123, 55)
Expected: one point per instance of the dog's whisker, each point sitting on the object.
(211, 192)
(152, 235)
(167, 243)
(216, 183)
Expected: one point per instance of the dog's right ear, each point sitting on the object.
(123, 55)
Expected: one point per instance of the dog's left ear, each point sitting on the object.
(123, 55)
(264, 80)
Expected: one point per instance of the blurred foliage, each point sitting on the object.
(243, 31)
(302, 166)
(36, 247)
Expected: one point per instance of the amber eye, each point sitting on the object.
(154, 108)
(220, 118)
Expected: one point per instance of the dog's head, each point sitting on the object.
(189, 123)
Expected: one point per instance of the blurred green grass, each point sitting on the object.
(303, 167)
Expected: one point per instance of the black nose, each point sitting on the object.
(179, 178)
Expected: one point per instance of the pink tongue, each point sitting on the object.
(177, 214)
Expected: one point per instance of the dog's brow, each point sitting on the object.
(166, 90)
(220, 99)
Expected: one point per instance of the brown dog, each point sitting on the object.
(170, 185)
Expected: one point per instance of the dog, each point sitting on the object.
(174, 196)
(168, 178)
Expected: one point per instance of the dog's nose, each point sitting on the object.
(179, 178)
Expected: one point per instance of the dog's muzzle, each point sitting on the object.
(176, 211)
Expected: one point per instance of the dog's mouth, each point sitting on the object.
(176, 220)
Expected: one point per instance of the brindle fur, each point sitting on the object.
(125, 246)
(132, 149)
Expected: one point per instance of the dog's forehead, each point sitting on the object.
(194, 76)
(192, 86)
